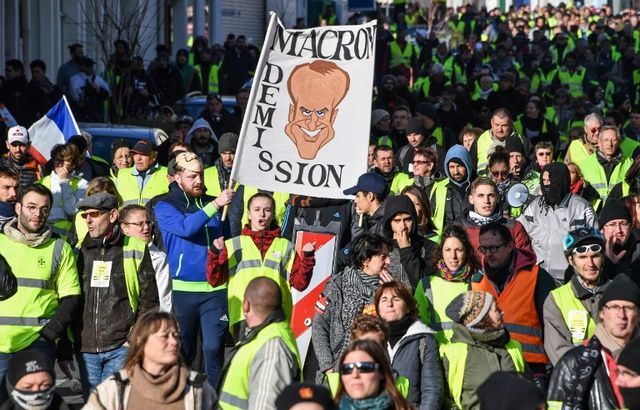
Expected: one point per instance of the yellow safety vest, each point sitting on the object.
(574, 81)
(485, 141)
(45, 274)
(399, 57)
(133, 251)
(594, 173)
(577, 318)
(577, 152)
(246, 263)
(127, 185)
(520, 128)
(62, 226)
(456, 354)
(213, 84)
(439, 189)
(235, 388)
(280, 198)
(400, 180)
(433, 295)
(333, 382)
(628, 146)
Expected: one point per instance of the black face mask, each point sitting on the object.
(631, 397)
(560, 180)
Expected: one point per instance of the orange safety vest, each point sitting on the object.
(518, 305)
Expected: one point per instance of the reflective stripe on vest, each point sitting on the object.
(433, 295)
(439, 189)
(400, 57)
(36, 300)
(280, 198)
(132, 254)
(594, 173)
(568, 303)
(574, 81)
(246, 263)
(456, 354)
(234, 393)
(127, 185)
(517, 301)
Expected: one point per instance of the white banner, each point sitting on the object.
(306, 129)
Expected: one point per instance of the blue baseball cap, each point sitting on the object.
(369, 182)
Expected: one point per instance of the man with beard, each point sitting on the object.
(216, 177)
(48, 291)
(595, 359)
(9, 185)
(449, 195)
(550, 217)
(189, 221)
(570, 311)
(203, 141)
(622, 248)
(18, 157)
(384, 165)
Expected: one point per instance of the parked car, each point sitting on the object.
(193, 104)
(105, 136)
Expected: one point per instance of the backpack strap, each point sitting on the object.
(121, 385)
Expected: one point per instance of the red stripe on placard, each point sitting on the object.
(304, 310)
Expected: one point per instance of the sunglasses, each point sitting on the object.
(594, 247)
(499, 173)
(363, 367)
(92, 214)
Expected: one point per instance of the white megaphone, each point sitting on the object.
(517, 195)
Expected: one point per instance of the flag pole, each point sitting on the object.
(250, 104)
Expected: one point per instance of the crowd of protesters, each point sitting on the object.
(490, 258)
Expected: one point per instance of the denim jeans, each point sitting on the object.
(47, 348)
(96, 367)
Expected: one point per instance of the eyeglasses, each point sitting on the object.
(595, 130)
(418, 162)
(139, 224)
(490, 249)
(594, 247)
(543, 154)
(618, 309)
(92, 214)
(621, 224)
(499, 173)
(363, 367)
(35, 210)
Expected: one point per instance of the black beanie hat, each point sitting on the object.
(620, 288)
(427, 109)
(26, 362)
(514, 144)
(507, 390)
(630, 355)
(414, 126)
(613, 209)
(297, 393)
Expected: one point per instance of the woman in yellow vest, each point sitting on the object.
(366, 379)
(479, 346)
(259, 251)
(154, 375)
(456, 266)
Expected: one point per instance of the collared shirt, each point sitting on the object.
(144, 176)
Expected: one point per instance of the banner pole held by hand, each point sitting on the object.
(225, 209)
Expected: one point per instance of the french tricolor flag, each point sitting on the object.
(56, 127)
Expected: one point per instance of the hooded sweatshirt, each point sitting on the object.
(209, 154)
(457, 204)
(405, 266)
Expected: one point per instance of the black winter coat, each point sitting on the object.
(106, 316)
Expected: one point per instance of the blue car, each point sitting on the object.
(193, 104)
(105, 136)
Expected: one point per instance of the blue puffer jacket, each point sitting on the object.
(187, 232)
